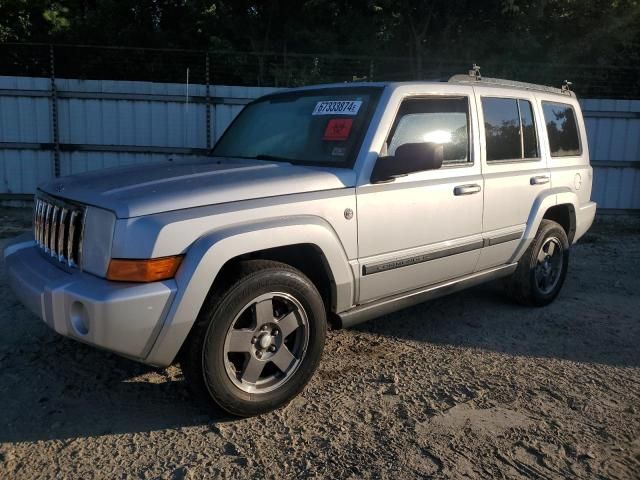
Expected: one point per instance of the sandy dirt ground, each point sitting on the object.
(468, 386)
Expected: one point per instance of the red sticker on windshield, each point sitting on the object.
(338, 129)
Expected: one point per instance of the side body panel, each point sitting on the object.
(573, 173)
(511, 191)
(415, 231)
(173, 233)
(206, 257)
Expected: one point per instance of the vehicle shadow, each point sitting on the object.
(578, 326)
(60, 389)
(54, 388)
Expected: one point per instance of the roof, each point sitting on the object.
(456, 79)
(500, 82)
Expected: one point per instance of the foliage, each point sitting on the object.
(510, 33)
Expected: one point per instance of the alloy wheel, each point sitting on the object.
(266, 342)
(549, 265)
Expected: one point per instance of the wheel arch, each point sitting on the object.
(565, 215)
(306, 257)
(558, 204)
(287, 240)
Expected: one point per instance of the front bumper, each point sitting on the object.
(121, 317)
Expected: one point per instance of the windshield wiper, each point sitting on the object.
(275, 158)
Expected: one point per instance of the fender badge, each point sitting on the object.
(348, 213)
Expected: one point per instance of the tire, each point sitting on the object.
(257, 341)
(542, 269)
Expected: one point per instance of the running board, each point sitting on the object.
(377, 308)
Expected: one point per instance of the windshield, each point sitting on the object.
(317, 127)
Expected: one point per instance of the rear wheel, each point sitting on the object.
(542, 269)
(257, 342)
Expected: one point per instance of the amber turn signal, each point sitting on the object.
(150, 270)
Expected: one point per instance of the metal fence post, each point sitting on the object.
(284, 67)
(207, 100)
(54, 114)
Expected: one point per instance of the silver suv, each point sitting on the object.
(330, 204)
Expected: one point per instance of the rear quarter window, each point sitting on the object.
(562, 129)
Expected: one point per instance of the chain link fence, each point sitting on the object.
(292, 69)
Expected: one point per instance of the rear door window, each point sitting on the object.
(562, 129)
(529, 136)
(510, 130)
(502, 128)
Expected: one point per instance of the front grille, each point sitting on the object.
(57, 228)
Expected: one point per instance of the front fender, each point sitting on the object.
(550, 198)
(206, 257)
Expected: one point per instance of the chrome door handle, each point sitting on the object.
(539, 180)
(466, 189)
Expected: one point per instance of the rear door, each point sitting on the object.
(514, 168)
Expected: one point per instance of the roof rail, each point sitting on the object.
(474, 77)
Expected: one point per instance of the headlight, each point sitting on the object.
(97, 240)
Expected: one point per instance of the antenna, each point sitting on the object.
(186, 112)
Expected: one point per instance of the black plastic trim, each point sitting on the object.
(502, 239)
(379, 267)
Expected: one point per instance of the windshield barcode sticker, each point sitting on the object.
(337, 107)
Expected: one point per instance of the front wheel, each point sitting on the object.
(257, 342)
(543, 267)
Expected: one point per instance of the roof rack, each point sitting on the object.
(474, 76)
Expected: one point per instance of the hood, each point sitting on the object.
(162, 187)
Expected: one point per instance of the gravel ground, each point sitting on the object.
(468, 386)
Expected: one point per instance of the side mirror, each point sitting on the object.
(409, 158)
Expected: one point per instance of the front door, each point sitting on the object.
(426, 227)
